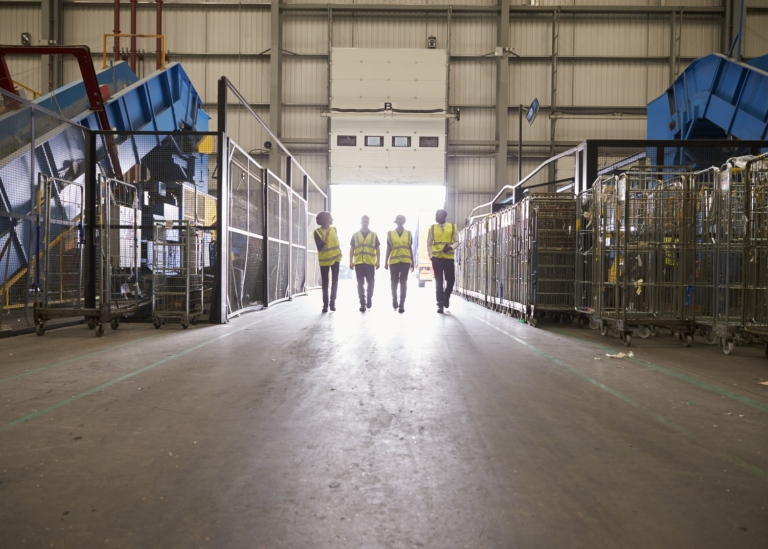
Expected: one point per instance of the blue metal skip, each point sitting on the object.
(714, 98)
(165, 101)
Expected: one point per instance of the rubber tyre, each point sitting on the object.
(727, 346)
(184, 324)
(156, 323)
(533, 321)
(193, 320)
(40, 328)
(91, 323)
(654, 331)
(710, 338)
(688, 340)
(644, 332)
(603, 330)
(627, 340)
(593, 324)
(580, 321)
(99, 330)
(114, 323)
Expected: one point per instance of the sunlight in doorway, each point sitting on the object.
(382, 203)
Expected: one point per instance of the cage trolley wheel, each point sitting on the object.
(726, 345)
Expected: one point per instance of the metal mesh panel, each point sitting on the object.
(245, 287)
(756, 253)
(34, 143)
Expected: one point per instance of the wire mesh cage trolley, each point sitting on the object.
(118, 238)
(60, 270)
(755, 310)
(719, 264)
(177, 266)
(642, 246)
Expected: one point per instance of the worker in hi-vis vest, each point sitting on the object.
(364, 255)
(399, 261)
(442, 240)
(329, 255)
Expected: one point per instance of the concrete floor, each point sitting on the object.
(288, 428)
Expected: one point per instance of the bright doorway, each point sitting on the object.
(382, 203)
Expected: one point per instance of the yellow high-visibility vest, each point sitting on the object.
(331, 252)
(364, 248)
(441, 237)
(401, 246)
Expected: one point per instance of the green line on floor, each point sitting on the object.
(108, 384)
(69, 360)
(679, 375)
(755, 471)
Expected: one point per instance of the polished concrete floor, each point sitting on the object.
(288, 428)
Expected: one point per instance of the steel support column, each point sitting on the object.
(551, 170)
(275, 84)
(502, 97)
(51, 31)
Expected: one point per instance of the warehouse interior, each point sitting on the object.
(598, 379)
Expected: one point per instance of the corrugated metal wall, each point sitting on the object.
(604, 60)
(27, 70)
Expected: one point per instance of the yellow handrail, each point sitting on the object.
(104, 46)
(34, 92)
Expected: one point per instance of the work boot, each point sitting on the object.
(440, 308)
(325, 308)
(362, 307)
(401, 309)
(369, 304)
(333, 305)
(394, 303)
(447, 301)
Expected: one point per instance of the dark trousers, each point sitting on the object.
(443, 269)
(399, 276)
(334, 270)
(365, 273)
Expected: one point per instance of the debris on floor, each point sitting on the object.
(620, 355)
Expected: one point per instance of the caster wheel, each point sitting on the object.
(727, 346)
(603, 330)
(193, 321)
(688, 340)
(91, 323)
(114, 323)
(654, 331)
(533, 321)
(99, 330)
(156, 323)
(644, 332)
(184, 324)
(710, 338)
(627, 340)
(593, 325)
(40, 328)
(579, 322)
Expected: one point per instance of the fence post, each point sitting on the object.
(218, 312)
(265, 281)
(91, 198)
